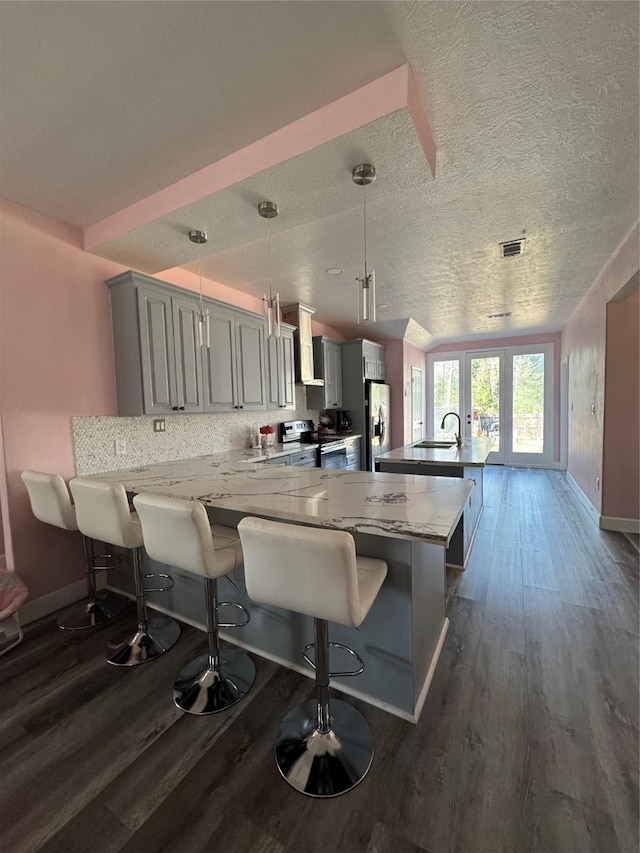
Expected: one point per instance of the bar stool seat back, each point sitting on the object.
(324, 748)
(177, 532)
(102, 511)
(51, 503)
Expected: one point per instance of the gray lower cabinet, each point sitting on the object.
(305, 459)
(353, 454)
(281, 391)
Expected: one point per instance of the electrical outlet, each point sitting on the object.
(159, 425)
(597, 484)
(120, 446)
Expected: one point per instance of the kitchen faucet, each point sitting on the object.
(459, 433)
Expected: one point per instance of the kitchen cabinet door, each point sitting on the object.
(289, 369)
(328, 359)
(250, 366)
(333, 356)
(157, 352)
(280, 371)
(219, 362)
(188, 356)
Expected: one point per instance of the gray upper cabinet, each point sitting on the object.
(220, 362)
(155, 376)
(160, 369)
(170, 359)
(250, 363)
(188, 355)
(374, 365)
(281, 392)
(327, 355)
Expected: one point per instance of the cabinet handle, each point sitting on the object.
(182, 408)
(175, 408)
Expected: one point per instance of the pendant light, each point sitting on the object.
(269, 210)
(363, 175)
(202, 316)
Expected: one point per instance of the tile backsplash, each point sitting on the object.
(185, 436)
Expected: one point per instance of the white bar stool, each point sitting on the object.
(177, 532)
(102, 511)
(51, 503)
(323, 749)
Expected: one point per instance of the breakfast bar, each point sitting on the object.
(405, 520)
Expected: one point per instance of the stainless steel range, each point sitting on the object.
(332, 450)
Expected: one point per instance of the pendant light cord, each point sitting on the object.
(364, 203)
(269, 256)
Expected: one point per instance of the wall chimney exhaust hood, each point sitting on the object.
(300, 315)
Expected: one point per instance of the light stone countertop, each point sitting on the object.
(474, 452)
(391, 505)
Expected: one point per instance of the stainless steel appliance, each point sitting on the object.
(343, 421)
(332, 450)
(332, 453)
(377, 421)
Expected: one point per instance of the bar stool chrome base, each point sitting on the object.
(92, 613)
(161, 633)
(324, 764)
(202, 688)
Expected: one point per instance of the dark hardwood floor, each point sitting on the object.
(528, 740)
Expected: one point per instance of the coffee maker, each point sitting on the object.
(343, 421)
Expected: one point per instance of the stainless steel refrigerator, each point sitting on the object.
(377, 420)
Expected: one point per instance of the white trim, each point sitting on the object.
(564, 413)
(432, 668)
(47, 604)
(584, 500)
(623, 525)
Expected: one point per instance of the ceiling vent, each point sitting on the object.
(499, 314)
(512, 248)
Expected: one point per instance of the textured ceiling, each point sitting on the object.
(533, 107)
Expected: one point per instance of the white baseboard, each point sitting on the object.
(53, 601)
(623, 525)
(584, 500)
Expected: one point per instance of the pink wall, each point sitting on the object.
(394, 359)
(583, 342)
(56, 361)
(400, 358)
(554, 338)
(621, 452)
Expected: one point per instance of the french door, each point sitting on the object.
(503, 394)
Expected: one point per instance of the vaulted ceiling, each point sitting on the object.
(109, 108)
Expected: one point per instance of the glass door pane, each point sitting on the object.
(446, 392)
(528, 403)
(485, 409)
(530, 379)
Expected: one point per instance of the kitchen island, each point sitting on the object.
(406, 520)
(465, 461)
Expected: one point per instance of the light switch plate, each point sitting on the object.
(159, 425)
(120, 446)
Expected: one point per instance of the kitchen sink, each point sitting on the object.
(443, 444)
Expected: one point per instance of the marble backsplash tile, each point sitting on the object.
(185, 436)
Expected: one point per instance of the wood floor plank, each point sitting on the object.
(527, 743)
